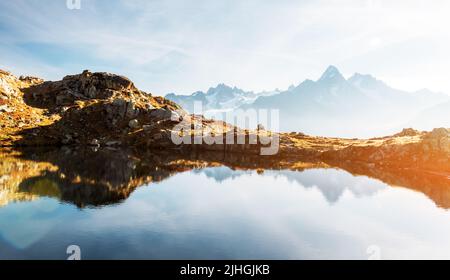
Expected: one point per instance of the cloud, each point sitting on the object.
(184, 46)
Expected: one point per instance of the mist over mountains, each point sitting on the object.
(360, 106)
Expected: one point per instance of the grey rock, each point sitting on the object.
(148, 127)
(161, 114)
(119, 102)
(175, 117)
(113, 143)
(60, 99)
(131, 111)
(95, 143)
(133, 124)
(120, 108)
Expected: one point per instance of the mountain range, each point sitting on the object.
(219, 98)
(360, 106)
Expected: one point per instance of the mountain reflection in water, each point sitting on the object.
(126, 204)
(96, 177)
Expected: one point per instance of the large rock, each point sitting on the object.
(165, 115)
(133, 124)
(438, 140)
(84, 86)
(31, 80)
(161, 114)
(439, 133)
(121, 108)
(408, 132)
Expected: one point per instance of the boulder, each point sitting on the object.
(133, 124)
(131, 111)
(438, 140)
(439, 133)
(95, 143)
(113, 143)
(148, 127)
(407, 132)
(161, 114)
(121, 108)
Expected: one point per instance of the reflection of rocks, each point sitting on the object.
(91, 177)
(12, 173)
(434, 185)
(100, 176)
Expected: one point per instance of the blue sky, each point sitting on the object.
(184, 46)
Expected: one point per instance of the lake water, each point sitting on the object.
(126, 208)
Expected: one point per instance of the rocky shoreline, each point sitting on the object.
(102, 109)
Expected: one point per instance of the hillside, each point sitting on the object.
(87, 109)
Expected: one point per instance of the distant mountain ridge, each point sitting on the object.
(360, 106)
(219, 98)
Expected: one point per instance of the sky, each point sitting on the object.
(184, 46)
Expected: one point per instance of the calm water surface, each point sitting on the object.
(214, 213)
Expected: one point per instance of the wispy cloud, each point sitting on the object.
(184, 46)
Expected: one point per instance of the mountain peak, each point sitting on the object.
(219, 88)
(359, 76)
(366, 81)
(332, 73)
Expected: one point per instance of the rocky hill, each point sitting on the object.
(85, 109)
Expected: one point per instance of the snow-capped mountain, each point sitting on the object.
(219, 98)
(360, 106)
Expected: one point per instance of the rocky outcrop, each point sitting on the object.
(424, 150)
(85, 86)
(407, 132)
(80, 109)
(437, 141)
